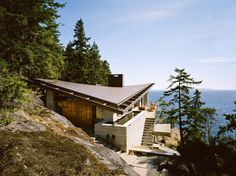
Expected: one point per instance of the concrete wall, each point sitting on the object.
(118, 131)
(127, 135)
(135, 129)
(162, 129)
(110, 116)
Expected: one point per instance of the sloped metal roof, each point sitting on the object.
(117, 98)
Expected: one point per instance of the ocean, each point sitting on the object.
(221, 100)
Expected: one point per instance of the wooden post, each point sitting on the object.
(50, 101)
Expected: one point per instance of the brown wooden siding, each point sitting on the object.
(80, 113)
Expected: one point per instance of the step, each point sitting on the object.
(148, 127)
(148, 124)
(143, 144)
(147, 145)
(147, 141)
(147, 135)
(148, 130)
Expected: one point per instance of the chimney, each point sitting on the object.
(115, 80)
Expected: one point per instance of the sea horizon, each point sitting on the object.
(221, 100)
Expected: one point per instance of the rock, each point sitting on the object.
(21, 122)
(40, 119)
(26, 126)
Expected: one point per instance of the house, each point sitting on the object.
(115, 112)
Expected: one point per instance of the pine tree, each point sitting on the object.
(230, 127)
(199, 120)
(83, 62)
(179, 88)
(29, 37)
(13, 91)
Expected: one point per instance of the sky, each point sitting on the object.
(147, 39)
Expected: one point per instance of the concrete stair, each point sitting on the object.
(147, 139)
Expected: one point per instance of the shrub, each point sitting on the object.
(6, 121)
(13, 91)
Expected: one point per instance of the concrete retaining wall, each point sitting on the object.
(103, 130)
(135, 129)
(127, 135)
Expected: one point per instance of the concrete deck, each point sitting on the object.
(150, 114)
(162, 128)
(148, 150)
(166, 149)
(139, 166)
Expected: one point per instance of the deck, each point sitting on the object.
(156, 151)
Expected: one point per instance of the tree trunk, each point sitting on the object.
(180, 119)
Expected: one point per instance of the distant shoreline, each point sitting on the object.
(161, 90)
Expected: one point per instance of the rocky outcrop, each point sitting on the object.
(39, 121)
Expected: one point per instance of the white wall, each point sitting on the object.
(110, 116)
(128, 135)
(134, 131)
(119, 131)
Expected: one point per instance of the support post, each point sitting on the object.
(146, 102)
(50, 102)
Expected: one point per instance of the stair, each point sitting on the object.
(147, 139)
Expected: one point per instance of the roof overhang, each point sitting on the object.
(125, 97)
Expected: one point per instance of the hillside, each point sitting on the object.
(38, 141)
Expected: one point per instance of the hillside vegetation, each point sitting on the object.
(38, 141)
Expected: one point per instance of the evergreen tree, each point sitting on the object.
(163, 111)
(29, 37)
(193, 125)
(199, 120)
(211, 120)
(105, 71)
(83, 62)
(13, 91)
(229, 130)
(179, 88)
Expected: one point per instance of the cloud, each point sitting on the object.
(144, 16)
(152, 12)
(215, 60)
(232, 66)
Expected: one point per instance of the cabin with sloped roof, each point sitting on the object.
(115, 112)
